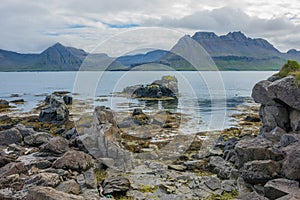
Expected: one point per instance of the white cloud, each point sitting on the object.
(31, 26)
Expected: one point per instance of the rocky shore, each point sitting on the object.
(52, 156)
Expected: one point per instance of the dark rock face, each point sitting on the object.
(55, 110)
(166, 87)
(68, 99)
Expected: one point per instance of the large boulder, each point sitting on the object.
(57, 145)
(291, 164)
(10, 136)
(103, 139)
(260, 171)
(260, 91)
(74, 160)
(55, 110)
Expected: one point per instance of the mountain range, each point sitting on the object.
(233, 51)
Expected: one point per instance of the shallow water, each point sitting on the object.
(207, 97)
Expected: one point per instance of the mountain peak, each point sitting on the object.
(236, 35)
(204, 35)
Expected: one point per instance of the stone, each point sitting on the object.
(252, 196)
(290, 166)
(103, 140)
(273, 116)
(116, 184)
(74, 160)
(69, 186)
(10, 136)
(68, 99)
(288, 139)
(90, 179)
(70, 134)
(286, 90)
(43, 179)
(37, 139)
(260, 171)
(55, 110)
(57, 145)
(24, 130)
(228, 185)
(13, 168)
(213, 183)
(48, 193)
(177, 167)
(219, 166)
(252, 149)
(275, 134)
(4, 103)
(260, 91)
(32, 160)
(295, 120)
(280, 187)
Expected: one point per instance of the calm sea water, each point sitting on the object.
(206, 96)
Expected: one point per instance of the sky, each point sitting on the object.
(32, 26)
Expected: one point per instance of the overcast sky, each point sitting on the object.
(33, 25)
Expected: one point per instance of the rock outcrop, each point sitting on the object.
(167, 87)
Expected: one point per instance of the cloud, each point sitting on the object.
(31, 26)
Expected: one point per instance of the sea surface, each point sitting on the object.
(207, 97)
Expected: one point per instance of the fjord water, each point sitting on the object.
(203, 95)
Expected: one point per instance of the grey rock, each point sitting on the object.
(55, 110)
(74, 160)
(48, 193)
(275, 134)
(252, 149)
(295, 120)
(43, 179)
(277, 188)
(290, 166)
(24, 130)
(90, 179)
(213, 183)
(13, 168)
(286, 90)
(102, 140)
(260, 91)
(116, 184)
(252, 196)
(69, 186)
(33, 160)
(37, 139)
(288, 139)
(57, 145)
(219, 166)
(273, 116)
(10, 136)
(229, 185)
(260, 171)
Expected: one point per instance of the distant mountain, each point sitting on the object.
(233, 51)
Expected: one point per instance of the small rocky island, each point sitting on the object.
(164, 89)
(52, 156)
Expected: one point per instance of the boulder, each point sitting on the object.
(24, 130)
(10, 136)
(74, 160)
(295, 120)
(13, 168)
(260, 171)
(275, 134)
(48, 193)
(220, 167)
(213, 183)
(55, 110)
(43, 179)
(69, 186)
(280, 187)
(68, 99)
(103, 140)
(252, 149)
(252, 196)
(288, 139)
(260, 91)
(115, 185)
(274, 116)
(57, 145)
(37, 138)
(290, 166)
(285, 90)
(90, 179)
